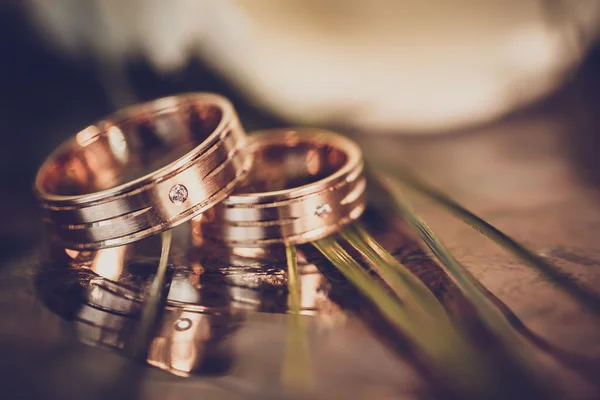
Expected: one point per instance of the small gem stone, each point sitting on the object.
(322, 210)
(183, 324)
(178, 194)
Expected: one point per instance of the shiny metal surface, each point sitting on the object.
(142, 170)
(305, 184)
(220, 311)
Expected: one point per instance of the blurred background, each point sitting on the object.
(494, 101)
(383, 67)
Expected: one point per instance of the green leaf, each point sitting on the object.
(296, 373)
(426, 325)
(584, 295)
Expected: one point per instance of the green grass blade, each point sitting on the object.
(296, 372)
(433, 334)
(293, 279)
(144, 332)
(400, 279)
(489, 313)
(585, 296)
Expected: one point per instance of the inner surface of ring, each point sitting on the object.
(120, 150)
(286, 166)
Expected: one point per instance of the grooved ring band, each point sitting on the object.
(142, 170)
(304, 185)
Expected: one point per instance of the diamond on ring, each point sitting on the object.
(322, 210)
(178, 194)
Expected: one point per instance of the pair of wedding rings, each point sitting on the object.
(153, 166)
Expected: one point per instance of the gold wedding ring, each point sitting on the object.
(142, 170)
(304, 185)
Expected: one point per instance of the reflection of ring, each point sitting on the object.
(304, 186)
(142, 170)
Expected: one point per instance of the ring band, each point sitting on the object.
(142, 170)
(304, 185)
